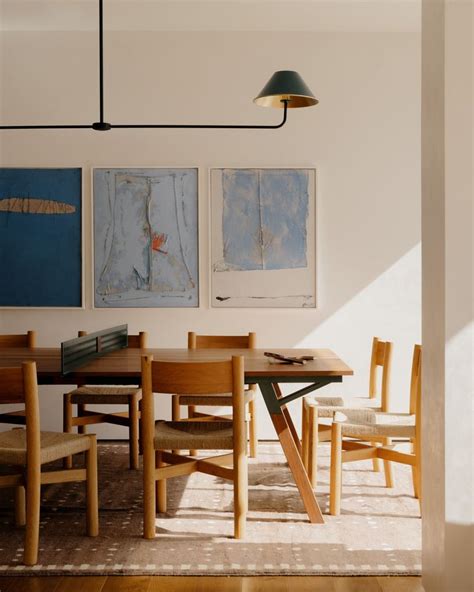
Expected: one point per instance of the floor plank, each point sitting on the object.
(399, 584)
(357, 584)
(208, 584)
(127, 584)
(307, 584)
(81, 584)
(29, 584)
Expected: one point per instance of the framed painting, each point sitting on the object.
(41, 237)
(145, 237)
(263, 237)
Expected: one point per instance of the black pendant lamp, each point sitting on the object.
(285, 90)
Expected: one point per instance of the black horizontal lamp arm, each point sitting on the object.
(204, 126)
(29, 127)
(102, 126)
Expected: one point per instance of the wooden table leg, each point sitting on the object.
(288, 418)
(291, 452)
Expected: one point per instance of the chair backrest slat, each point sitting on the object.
(221, 341)
(20, 385)
(26, 340)
(192, 378)
(381, 357)
(139, 341)
(12, 389)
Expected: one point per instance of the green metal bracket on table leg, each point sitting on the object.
(274, 404)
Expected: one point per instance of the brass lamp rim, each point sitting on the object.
(293, 101)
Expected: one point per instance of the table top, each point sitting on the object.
(125, 363)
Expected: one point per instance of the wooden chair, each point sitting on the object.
(316, 407)
(221, 399)
(26, 450)
(26, 340)
(367, 424)
(196, 378)
(106, 395)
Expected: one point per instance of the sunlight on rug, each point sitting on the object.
(378, 532)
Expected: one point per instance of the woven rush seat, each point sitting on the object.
(103, 394)
(224, 399)
(54, 445)
(196, 435)
(366, 422)
(327, 406)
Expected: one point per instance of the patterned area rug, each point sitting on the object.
(378, 532)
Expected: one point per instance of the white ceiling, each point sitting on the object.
(212, 15)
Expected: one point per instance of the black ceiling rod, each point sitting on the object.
(101, 125)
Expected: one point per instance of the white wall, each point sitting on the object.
(448, 320)
(363, 137)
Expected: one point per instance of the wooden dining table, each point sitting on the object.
(123, 367)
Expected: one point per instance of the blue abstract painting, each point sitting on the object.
(146, 237)
(263, 237)
(40, 237)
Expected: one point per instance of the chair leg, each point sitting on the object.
(133, 428)
(415, 479)
(81, 407)
(240, 495)
(253, 428)
(140, 436)
(313, 447)
(33, 496)
(304, 435)
(92, 517)
(67, 425)
(191, 410)
(161, 501)
(175, 413)
(416, 472)
(149, 509)
(375, 461)
(336, 470)
(20, 506)
(387, 467)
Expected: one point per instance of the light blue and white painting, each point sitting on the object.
(146, 237)
(263, 237)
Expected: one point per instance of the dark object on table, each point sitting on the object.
(289, 360)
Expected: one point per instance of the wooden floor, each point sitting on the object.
(208, 584)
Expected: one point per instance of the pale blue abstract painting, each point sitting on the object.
(146, 237)
(264, 219)
(263, 237)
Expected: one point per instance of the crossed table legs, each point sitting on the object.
(287, 434)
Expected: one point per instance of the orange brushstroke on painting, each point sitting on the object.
(31, 205)
(158, 241)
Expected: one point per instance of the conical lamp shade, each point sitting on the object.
(286, 85)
